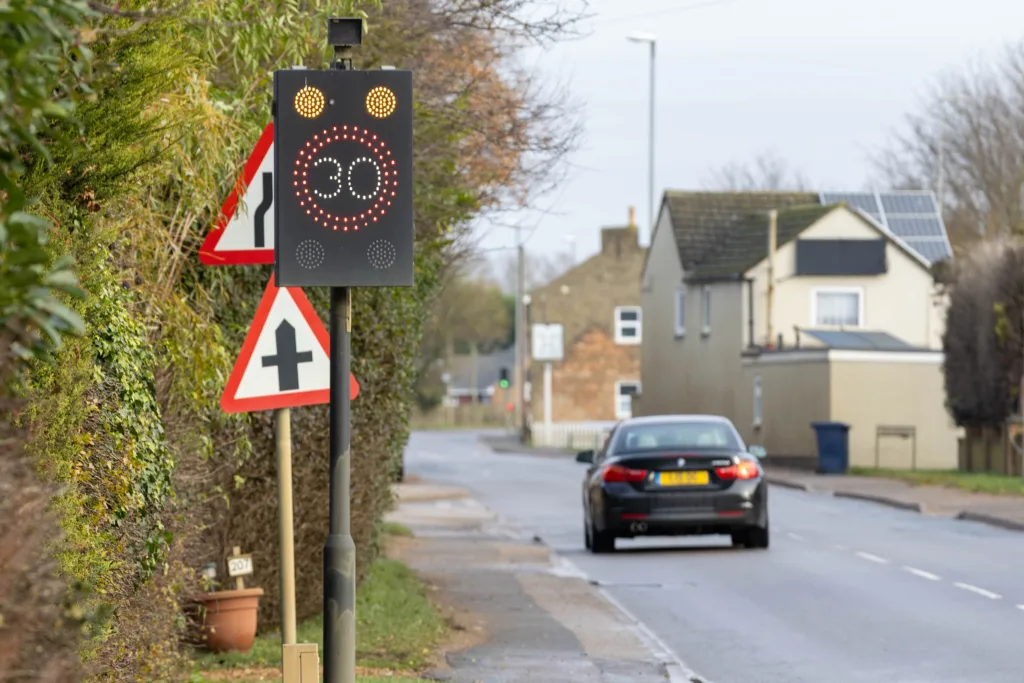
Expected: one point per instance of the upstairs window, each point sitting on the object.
(628, 325)
(680, 311)
(837, 307)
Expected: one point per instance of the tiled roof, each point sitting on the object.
(744, 243)
(699, 219)
(585, 296)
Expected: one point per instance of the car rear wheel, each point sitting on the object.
(751, 537)
(599, 541)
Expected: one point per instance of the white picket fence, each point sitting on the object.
(577, 436)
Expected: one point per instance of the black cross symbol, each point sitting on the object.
(288, 358)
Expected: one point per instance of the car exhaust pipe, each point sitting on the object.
(638, 527)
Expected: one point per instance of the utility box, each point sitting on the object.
(301, 663)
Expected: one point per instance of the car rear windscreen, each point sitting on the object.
(676, 435)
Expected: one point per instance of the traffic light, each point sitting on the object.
(343, 178)
(503, 378)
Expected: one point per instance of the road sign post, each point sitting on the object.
(547, 345)
(343, 218)
(286, 525)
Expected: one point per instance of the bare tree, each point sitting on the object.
(967, 141)
(540, 268)
(766, 172)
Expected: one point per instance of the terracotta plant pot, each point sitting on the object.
(229, 623)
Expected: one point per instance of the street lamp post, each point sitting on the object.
(651, 41)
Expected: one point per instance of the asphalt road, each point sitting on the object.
(849, 592)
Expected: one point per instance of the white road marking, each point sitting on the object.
(871, 558)
(1020, 607)
(980, 591)
(922, 573)
(678, 671)
(841, 547)
(775, 529)
(795, 537)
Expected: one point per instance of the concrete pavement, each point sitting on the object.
(539, 620)
(850, 591)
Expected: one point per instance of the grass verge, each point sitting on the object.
(397, 628)
(977, 482)
(395, 529)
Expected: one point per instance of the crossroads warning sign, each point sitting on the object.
(285, 360)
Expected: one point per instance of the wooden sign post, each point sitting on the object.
(239, 566)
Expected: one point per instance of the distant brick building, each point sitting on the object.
(598, 304)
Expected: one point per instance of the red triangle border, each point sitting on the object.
(230, 404)
(208, 255)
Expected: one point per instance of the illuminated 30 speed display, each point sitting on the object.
(350, 164)
(343, 178)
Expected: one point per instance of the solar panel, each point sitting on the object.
(909, 203)
(922, 226)
(911, 215)
(932, 249)
(865, 201)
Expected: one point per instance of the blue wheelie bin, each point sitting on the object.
(833, 447)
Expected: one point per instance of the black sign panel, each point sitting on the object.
(841, 257)
(343, 178)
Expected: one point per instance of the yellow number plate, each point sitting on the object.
(683, 478)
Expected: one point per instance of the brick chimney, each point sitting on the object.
(616, 240)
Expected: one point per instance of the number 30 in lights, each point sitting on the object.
(320, 150)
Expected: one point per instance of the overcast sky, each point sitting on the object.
(821, 83)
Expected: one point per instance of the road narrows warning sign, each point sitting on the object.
(244, 233)
(285, 360)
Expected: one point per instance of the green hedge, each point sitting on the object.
(153, 479)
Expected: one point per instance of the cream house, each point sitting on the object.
(851, 331)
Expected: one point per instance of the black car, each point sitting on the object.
(674, 475)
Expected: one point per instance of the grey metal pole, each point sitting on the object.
(522, 341)
(517, 372)
(340, 549)
(286, 530)
(650, 154)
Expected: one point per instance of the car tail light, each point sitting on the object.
(743, 470)
(618, 473)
